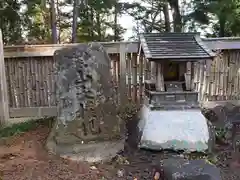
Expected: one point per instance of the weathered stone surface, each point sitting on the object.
(183, 169)
(223, 115)
(87, 114)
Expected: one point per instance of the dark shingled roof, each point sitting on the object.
(221, 43)
(174, 46)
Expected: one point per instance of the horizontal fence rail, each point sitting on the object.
(49, 49)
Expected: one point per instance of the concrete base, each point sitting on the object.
(174, 129)
(93, 153)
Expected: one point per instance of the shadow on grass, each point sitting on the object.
(22, 127)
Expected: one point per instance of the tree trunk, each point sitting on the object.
(53, 23)
(166, 17)
(98, 26)
(74, 23)
(115, 22)
(90, 23)
(58, 21)
(177, 19)
(88, 127)
(222, 23)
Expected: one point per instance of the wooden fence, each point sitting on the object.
(27, 81)
(222, 79)
(30, 76)
(218, 80)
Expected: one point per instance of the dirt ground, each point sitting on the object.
(23, 157)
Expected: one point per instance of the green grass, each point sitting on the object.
(25, 127)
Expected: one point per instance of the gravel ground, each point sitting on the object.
(23, 157)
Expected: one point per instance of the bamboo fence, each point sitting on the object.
(219, 80)
(30, 77)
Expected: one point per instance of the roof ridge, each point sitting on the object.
(172, 33)
(221, 39)
(144, 46)
(203, 46)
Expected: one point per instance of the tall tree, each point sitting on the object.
(95, 24)
(148, 14)
(37, 22)
(49, 21)
(177, 18)
(118, 30)
(53, 22)
(74, 23)
(222, 16)
(166, 17)
(11, 21)
(116, 11)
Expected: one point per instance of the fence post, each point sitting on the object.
(123, 90)
(4, 106)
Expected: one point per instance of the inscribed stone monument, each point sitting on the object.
(87, 126)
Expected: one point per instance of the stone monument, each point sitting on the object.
(88, 127)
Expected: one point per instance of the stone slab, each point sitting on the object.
(183, 169)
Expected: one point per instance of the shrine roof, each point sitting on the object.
(174, 46)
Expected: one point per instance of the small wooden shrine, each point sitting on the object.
(171, 57)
